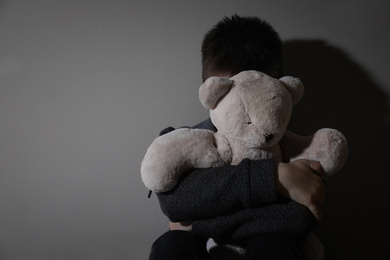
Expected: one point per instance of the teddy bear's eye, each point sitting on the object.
(249, 122)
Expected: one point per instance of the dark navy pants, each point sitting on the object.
(183, 245)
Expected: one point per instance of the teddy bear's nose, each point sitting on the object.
(268, 137)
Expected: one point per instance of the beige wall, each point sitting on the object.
(85, 86)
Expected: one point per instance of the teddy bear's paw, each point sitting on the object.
(331, 150)
(180, 151)
(327, 146)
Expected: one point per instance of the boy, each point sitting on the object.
(264, 207)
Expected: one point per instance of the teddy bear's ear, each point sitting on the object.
(294, 86)
(213, 89)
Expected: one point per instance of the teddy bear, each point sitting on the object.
(251, 111)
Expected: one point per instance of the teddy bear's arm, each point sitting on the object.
(328, 146)
(179, 151)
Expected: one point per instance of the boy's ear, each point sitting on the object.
(213, 89)
(294, 86)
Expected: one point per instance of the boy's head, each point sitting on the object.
(241, 43)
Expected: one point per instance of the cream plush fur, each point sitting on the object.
(251, 111)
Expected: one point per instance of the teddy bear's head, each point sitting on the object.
(251, 107)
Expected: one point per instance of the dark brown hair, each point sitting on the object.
(241, 43)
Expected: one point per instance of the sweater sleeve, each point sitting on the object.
(286, 216)
(212, 192)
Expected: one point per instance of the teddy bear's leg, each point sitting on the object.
(179, 151)
(328, 146)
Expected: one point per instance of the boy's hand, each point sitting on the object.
(184, 225)
(301, 181)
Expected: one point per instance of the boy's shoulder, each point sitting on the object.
(206, 124)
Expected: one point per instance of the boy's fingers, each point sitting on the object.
(317, 168)
(316, 212)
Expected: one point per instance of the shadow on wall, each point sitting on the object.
(340, 94)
